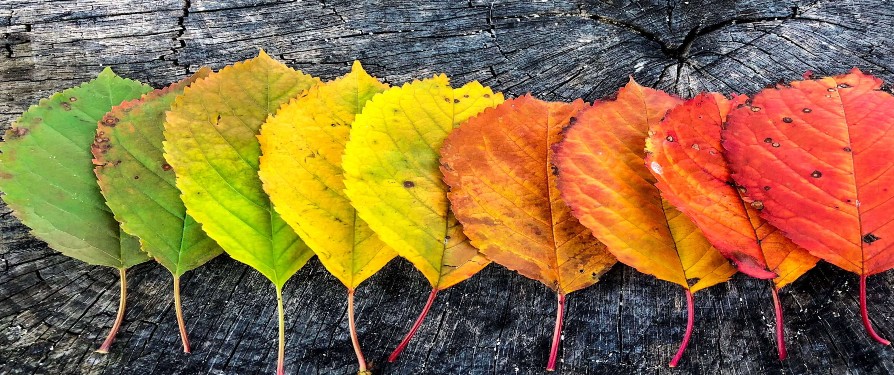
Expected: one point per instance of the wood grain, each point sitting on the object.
(54, 310)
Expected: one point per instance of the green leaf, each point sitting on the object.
(139, 186)
(47, 174)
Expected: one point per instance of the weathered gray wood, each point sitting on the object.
(54, 311)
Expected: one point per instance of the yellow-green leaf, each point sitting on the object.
(211, 143)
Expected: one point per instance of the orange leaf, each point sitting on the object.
(816, 155)
(503, 191)
(604, 180)
(695, 178)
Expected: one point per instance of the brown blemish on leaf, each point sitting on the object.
(816, 174)
(409, 184)
(110, 121)
(757, 205)
(65, 106)
(807, 110)
(787, 120)
(17, 133)
(165, 167)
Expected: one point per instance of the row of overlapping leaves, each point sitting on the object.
(272, 166)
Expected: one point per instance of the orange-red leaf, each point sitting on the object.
(604, 180)
(695, 178)
(816, 155)
(503, 190)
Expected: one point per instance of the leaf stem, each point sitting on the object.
(178, 308)
(865, 313)
(557, 334)
(361, 362)
(780, 324)
(690, 304)
(122, 304)
(281, 358)
(406, 340)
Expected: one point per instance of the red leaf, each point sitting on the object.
(817, 156)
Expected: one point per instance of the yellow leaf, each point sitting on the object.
(392, 176)
(301, 149)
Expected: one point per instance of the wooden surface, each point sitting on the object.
(54, 311)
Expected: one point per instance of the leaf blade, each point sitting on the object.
(139, 185)
(827, 189)
(695, 177)
(60, 201)
(396, 164)
(604, 180)
(302, 148)
(503, 190)
(210, 141)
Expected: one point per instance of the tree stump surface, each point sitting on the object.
(54, 311)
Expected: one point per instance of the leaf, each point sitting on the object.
(302, 148)
(392, 176)
(695, 178)
(815, 155)
(503, 190)
(211, 143)
(139, 186)
(603, 179)
(48, 180)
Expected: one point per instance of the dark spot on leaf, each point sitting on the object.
(775, 144)
(581, 270)
(487, 95)
(757, 205)
(768, 140)
(843, 86)
(847, 149)
(807, 110)
(72, 99)
(446, 99)
(409, 184)
(816, 174)
(455, 101)
(333, 125)
(466, 96)
(670, 138)
(766, 188)
(869, 238)
(555, 170)
(136, 177)
(65, 106)
(165, 167)
(110, 121)
(787, 120)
